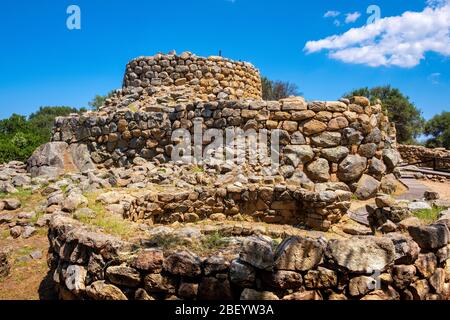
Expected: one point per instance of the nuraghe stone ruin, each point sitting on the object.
(173, 187)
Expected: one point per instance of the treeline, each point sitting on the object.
(21, 135)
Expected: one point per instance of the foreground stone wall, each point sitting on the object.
(213, 78)
(336, 141)
(414, 154)
(89, 265)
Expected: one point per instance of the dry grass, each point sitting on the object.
(108, 222)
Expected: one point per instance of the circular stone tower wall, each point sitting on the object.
(213, 78)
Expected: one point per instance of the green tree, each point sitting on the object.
(99, 100)
(400, 110)
(439, 128)
(276, 90)
(19, 136)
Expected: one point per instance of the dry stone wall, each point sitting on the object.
(213, 78)
(89, 265)
(335, 141)
(413, 154)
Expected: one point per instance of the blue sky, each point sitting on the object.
(44, 63)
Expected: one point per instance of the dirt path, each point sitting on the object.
(443, 188)
(28, 279)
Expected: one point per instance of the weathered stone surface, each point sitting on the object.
(391, 158)
(318, 170)
(367, 187)
(76, 279)
(214, 289)
(406, 250)
(403, 275)
(299, 254)
(430, 237)
(188, 290)
(215, 264)
(304, 295)
(157, 283)
(252, 295)
(359, 286)
(419, 289)
(283, 279)
(313, 127)
(99, 290)
(326, 139)
(335, 154)
(183, 263)
(48, 159)
(242, 274)
(426, 264)
(11, 204)
(297, 154)
(123, 276)
(150, 260)
(437, 280)
(351, 168)
(362, 254)
(321, 278)
(257, 251)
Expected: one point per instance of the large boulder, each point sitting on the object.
(299, 254)
(54, 158)
(361, 254)
(430, 237)
(257, 251)
(391, 158)
(351, 168)
(367, 187)
(183, 263)
(297, 154)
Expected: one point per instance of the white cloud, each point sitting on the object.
(331, 14)
(393, 41)
(352, 17)
(434, 77)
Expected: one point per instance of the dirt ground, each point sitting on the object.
(29, 278)
(442, 188)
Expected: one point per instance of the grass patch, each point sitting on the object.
(214, 241)
(28, 199)
(111, 224)
(197, 169)
(429, 215)
(24, 251)
(4, 234)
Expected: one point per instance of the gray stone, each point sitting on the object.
(76, 279)
(28, 232)
(318, 170)
(11, 204)
(335, 154)
(367, 150)
(430, 237)
(391, 158)
(351, 168)
(377, 167)
(321, 278)
(326, 139)
(283, 279)
(403, 275)
(362, 254)
(257, 251)
(48, 159)
(426, 264)
(367, 187)
(406, 250)
(418, 205)
(123, 276)
(183, 263)
(299, 254)
(242, 274)
(297, 154)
